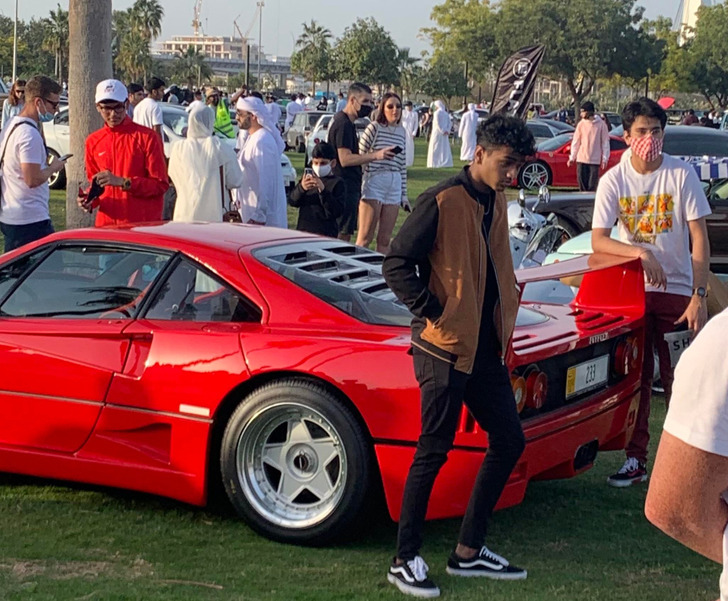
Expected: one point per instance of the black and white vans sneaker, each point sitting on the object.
(486, 564)
(632, 472)
(411, 578)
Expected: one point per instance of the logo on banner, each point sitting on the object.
(521, 68)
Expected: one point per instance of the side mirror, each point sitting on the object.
(522, 197)
(544, 194)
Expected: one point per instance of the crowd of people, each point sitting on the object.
(449, 264)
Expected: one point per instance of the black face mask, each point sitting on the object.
(364, 111)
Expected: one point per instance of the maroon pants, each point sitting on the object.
(662, 310)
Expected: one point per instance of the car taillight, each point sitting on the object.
(537, 385)
(519, 391)
(566, 148)
(316, 140)
(626, 356)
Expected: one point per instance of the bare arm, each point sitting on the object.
(34, 176)
(602, 242)
(696, 313)
(349, 159)
(684, 498)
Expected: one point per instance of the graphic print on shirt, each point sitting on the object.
(647, 216)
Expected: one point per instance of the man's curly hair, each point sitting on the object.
(499, 130)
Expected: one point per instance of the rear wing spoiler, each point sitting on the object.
(605, 282)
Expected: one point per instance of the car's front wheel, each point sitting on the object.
(57, 181)
(295, 462)
(533, 175)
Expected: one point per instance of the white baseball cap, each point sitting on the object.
(111, 89)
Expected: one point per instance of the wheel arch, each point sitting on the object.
(233, 399)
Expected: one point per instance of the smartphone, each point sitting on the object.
(397, 149)
(308, 171)
(65, 157)
(94, 191)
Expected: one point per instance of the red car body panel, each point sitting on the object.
(133, 403)
(563, 176)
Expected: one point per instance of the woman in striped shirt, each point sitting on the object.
(384, 187)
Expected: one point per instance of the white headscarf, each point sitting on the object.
(471, 106)
(201, 122)
(442, 118)
(255, 106)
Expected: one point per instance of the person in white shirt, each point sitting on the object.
(660, 208)
(410, 124)
(687, 495)
(467, 133)
(273, 108)
(24, 211)
(341, 103)
(292, 109)
(261, 196)
(439, 153)
(196, 103)
(199, 165)
(14, 102)
(148, 112)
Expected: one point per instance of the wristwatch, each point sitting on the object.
(700, 291)
(127, 184)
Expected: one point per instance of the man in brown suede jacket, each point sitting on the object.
(451, 266)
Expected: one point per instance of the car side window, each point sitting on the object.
(617, 144)
(191, 294)
(11, 273)
(61, 118)
(86, 282)
(540, 131)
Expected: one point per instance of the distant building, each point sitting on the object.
(213, 47)
(687, 16)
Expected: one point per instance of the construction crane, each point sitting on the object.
(196, 11)
(244, 36)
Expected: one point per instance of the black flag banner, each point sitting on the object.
(516, 81)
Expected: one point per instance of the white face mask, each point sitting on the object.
(321, 170)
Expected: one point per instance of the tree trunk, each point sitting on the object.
(89, 62)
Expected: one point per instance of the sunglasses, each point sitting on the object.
(20, 92)
(53, 104)
(393, 106)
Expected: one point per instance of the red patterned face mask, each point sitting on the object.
(648, 148)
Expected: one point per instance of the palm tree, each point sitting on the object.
(147, 17)
(407, 67)
(312, 52)
(56, 39)
(190, 65)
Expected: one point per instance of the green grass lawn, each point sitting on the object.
(579, 539)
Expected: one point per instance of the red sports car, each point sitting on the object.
(173, 358)
(548, 166)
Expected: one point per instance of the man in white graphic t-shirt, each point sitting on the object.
(660, 208)
(687, 492)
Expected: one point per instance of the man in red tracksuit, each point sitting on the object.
(127, 160)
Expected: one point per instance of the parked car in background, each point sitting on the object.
(58, 141)
(458, 115)
(183, 358)
(548, 166)
(545, 129)
(301, 126)
(320, 132)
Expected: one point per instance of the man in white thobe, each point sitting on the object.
(292, 109)
(274, 110)
(262, 196)
(410, 124)
(467, 133)
(439, 153)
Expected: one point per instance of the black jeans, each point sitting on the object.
(18, 235)
(488, 395)
(588, 176)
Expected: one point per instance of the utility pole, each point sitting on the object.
(89, 62)
(260, 5)
(15, 44)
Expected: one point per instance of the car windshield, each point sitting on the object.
(177, 121)
(554, 143)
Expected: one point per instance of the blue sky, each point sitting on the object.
(282, 19)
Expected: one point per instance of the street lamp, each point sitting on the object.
(260, 5)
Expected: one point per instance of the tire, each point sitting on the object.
(57, 181)
(570, 228)
(534, 174)
(303, 490)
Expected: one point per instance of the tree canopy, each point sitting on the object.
(366, 52)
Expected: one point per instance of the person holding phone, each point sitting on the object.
(320, 196)
(384, 187)
(25, 215)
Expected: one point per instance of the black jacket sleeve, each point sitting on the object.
(297, 196)
(333, 199)
(410, 249)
